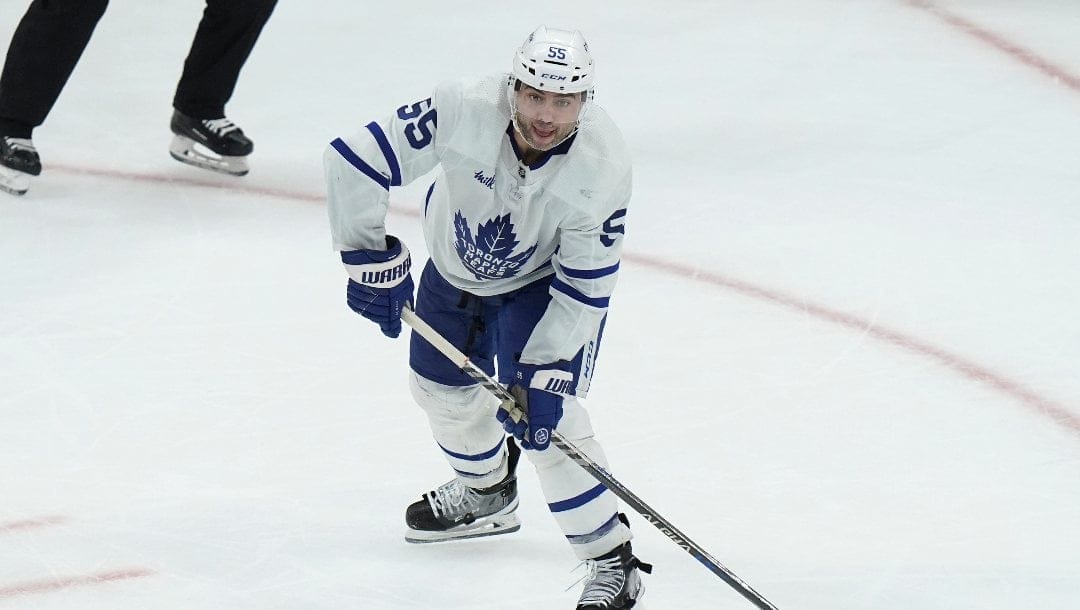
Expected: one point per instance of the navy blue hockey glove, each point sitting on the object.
(540, 390)
(380, 284)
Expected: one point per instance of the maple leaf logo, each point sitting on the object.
(490, 254)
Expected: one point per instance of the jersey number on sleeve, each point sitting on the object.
(419, 132)
(610, 228)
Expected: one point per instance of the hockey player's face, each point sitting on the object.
(545, 118)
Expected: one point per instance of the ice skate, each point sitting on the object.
(454, 511)
(613, 581)
(19, 161)
(214, 144)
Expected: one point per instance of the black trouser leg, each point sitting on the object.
(43, 52)
(223, 42)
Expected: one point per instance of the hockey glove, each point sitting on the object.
(540, 390)
(380, 284)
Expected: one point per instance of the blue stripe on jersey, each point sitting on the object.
(387, 151)
(354, 160)
(569, 291)
(590, 274)
(576, 501)
(596, 534)
(477, 457)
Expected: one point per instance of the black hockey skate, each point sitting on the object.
(455, 511)
(18, 161)
(214, 144)
(612, 581)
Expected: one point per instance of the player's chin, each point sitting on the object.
(543, 140)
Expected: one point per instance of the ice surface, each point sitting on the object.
(844, 355)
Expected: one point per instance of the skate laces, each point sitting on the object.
(450, 498)
(603, 578)
(221, 127)
(16, 144)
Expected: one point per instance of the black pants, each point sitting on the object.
(52, 35)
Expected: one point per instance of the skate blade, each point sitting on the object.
(14, 182)
(190, 152)
(505, 524)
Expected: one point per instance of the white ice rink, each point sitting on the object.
(843, 357)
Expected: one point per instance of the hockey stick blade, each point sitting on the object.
(586, 463)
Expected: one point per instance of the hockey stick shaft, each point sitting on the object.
(584, 461)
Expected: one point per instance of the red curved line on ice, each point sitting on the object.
(1023, 55)
(964, 367)
(960, 365)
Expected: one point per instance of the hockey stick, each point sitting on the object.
(597, 471)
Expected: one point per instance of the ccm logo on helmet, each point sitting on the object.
(553, 76)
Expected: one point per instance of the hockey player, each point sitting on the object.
(524, 226)
(50, 40)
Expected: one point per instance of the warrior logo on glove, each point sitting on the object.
(385, 278)
(380, 284)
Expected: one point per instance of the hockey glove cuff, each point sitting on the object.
(380, 284)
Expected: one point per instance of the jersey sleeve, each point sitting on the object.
(586, 269)
(361, 168)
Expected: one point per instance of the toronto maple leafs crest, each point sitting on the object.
(490, 254)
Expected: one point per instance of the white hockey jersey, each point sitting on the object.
(491, 223)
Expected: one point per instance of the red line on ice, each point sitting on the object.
(26, 524)
(214, 182)
(1030, 398)
(1058, 413)
(999, 42)
(36, 587)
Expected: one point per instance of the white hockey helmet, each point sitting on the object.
(555, 60)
